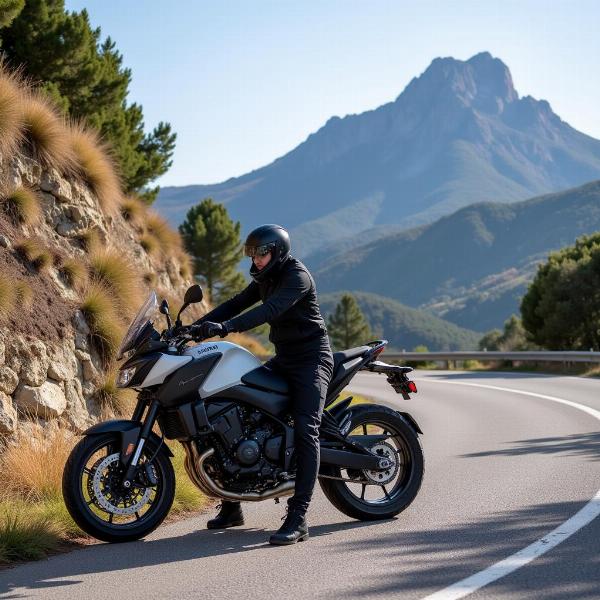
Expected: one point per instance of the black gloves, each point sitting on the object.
(209, 329)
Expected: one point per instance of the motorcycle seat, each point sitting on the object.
(265, 379)
(345, 355)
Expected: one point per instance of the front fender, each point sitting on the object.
(129, 431)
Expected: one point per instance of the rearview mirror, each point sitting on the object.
(193, 294)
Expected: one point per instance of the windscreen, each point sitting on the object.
(147, 313)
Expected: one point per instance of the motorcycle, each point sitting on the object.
(232, 416)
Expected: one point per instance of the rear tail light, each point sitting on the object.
(412, 387)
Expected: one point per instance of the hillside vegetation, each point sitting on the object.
(404, 327)
(471, 267)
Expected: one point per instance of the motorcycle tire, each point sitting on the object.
(89, 515)
(338, 492)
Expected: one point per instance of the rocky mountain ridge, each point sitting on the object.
(458, 134)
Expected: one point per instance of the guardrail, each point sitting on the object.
(564, 357)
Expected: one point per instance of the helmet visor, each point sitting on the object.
(253, 251)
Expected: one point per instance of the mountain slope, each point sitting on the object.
(405, 327)
(471, 267)
(458, 134)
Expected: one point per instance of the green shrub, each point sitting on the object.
(24, 534)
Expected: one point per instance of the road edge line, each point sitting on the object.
(519, 559)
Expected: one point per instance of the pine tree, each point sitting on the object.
(213, 241)
(348, 327)
(9, 9)
(63, 53)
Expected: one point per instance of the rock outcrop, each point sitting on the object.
(50, 366)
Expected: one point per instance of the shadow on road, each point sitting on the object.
(583, 445)
(117, 557)
(436, 558)
(417, 560)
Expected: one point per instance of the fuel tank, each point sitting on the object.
(233, 363)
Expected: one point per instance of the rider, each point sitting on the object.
(302, 355)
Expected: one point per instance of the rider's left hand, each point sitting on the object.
(210, 329)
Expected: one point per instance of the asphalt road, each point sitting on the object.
(503, 469)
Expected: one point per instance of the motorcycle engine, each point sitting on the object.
(249, 448)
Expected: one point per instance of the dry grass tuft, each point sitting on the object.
(96, 166)
(187, 496)
(89, 239)
(150, 244)
(185, 266)
(168, 239)
(8, 297)
(37, 254)
(150, 278)
(100, 310)
(133, 210)
(118, 401)
(74, 272)
(24, 294)
(112, 270)
(31, 465)
(46, 132)
(11, 115)
(22, 206)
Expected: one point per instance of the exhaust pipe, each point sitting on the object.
(194, 465)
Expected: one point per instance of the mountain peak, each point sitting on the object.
(482, 81)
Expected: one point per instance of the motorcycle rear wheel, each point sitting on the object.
(96, 503)
(398, 487)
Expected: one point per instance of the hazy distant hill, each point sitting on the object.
(471, 267)
(405, 327)
(457, 134)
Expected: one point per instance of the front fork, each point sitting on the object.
(130, 454)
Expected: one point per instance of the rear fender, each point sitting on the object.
(129, 432)
(411, 421)
(346, 411)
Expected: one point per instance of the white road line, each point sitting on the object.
(504, 567)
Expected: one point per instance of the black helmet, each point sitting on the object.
(264, 239)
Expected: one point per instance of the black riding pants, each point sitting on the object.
(308, 368)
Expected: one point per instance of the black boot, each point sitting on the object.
(294, 529)
(230, 515)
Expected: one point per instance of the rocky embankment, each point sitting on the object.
(55, 358)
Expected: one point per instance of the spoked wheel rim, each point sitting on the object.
(106, 501)
(379, 488)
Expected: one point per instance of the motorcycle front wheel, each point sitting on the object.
(100, 505)
(370, 495)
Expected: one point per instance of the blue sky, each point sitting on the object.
(243, 82)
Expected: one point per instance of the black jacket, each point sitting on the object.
(289, 305)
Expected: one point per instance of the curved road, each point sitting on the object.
(503, 470)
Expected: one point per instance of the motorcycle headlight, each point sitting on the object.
(125, 376)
